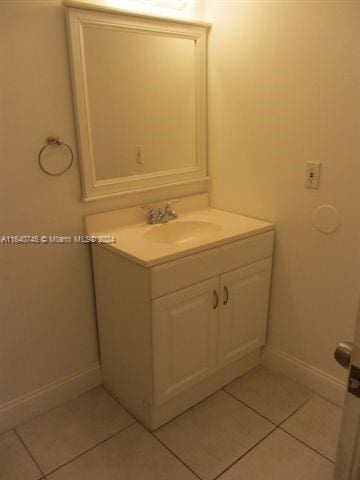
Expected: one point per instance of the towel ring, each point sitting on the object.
(58, 142)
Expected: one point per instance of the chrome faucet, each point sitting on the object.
(156, 215)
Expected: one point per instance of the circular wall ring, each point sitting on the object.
(326, 219)
(55, 141)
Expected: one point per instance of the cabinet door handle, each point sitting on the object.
(215, 300)
(226, 295)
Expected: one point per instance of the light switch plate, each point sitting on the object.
(140, 154)
(312, 175)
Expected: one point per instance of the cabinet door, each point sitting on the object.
(185, 331)
(243, 310)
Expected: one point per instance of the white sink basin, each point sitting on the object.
(180, 232)
(198, 228)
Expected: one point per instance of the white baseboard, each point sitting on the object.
(316, 380)
(36, 402)
(53, 394)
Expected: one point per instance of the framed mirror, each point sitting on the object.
(139, 85)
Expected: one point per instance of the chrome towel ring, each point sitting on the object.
(55, 141)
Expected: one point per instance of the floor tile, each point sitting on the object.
(15, 462)
(61, 434)
(269, 393)
(133, 454)
(280, 457)
(317, 424)
(213, 434)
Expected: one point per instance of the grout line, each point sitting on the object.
(29, 452)
(221, 389)
(239, 458)
(295, 411)
(283, 421)
(91, 448)
(280, 426)
(247, 452)
(174, 455)
(306, 445)
(276, 427)
(189, 408)
(263, 416)
(252, 409)
(112, 397)
(247, 372)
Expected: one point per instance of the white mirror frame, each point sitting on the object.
(80, 15)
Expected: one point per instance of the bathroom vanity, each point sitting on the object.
(182, 306)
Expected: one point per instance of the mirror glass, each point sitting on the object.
(141, 91)
(140, 95)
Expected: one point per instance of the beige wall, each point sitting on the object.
(285, 89)
(48, 328)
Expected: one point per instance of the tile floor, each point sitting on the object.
(262, 426)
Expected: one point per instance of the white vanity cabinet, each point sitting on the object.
(207, 326)
(175, 332)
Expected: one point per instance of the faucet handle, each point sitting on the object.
(150, 213)
(168, 212)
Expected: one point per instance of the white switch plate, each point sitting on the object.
(312, 175)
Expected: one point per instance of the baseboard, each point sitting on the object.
(316, 380)
(36, 402)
